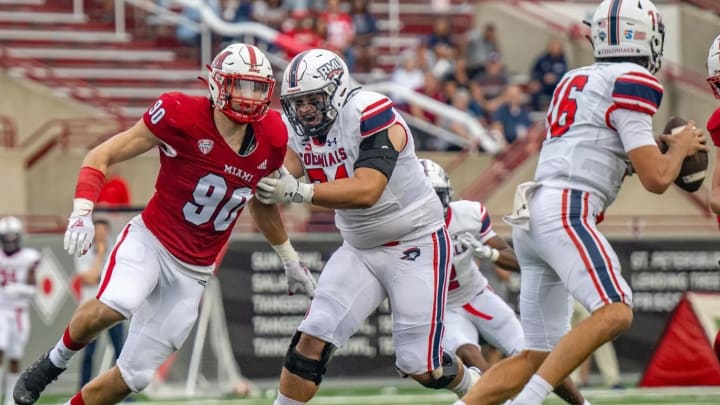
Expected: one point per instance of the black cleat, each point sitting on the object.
(34, 380)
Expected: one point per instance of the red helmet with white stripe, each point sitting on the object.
(241, 83)
(713, 67)
(315, 86)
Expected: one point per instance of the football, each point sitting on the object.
(694, 167)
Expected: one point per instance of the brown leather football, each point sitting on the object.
(694, 166)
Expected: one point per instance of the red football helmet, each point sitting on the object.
(241, 82)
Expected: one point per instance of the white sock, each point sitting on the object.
(459, 402)
(464, 385)
(586, 402)
(10, 381)
(60, 355)
(283, 400)
(534, 393)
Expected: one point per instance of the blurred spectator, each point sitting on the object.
(306, 28)
(440, 35)
(482, 48)
(512, 119)
(407, 74)
(365, 26)
(547, 71)
(431, 88)
(364, 23)
(477, 102)
(236, 11)
(493, 80)
(440, 42)
(270, 12)
(460, 100)
(423, 54)
(187, 35)
(340, 30)
(459, 73)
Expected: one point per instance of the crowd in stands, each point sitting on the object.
(465, 70)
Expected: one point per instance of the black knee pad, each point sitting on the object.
(303, 367)
(444, 375)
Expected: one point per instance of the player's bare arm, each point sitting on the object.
(293, 164)
(506, 258)
(267, 219)
(376, 161)
(126, 145)
(715, 191)
(656, 170)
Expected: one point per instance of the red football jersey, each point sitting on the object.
(203, 184)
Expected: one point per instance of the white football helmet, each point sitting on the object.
(713, 67)
(315, 86)
(241, 82)
(11, 232)
(439, 180)
(621, 29)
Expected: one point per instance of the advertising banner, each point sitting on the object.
(262, 317)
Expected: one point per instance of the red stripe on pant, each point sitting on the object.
(111, 265)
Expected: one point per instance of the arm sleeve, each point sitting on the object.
(637, 91)
(634, 128)
(376, 117)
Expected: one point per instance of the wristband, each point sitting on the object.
(286, 252)
(494, 254)
(82, 206)
(89, 184)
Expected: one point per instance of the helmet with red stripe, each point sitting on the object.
(713, 67)
(315, 86)
(241, 82)
(622, 29)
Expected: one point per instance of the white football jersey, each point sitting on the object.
(583, 149)
(408, 207)
(15, 269)
(466, 280)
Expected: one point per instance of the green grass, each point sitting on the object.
(419, 396)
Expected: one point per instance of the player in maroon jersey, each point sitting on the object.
(213, 151)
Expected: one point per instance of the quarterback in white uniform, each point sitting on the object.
(17, 289)
(473, 309)
(599, 118)
(359, 157)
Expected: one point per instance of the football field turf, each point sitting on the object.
(389, 396)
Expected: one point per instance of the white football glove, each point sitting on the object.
(80, 230)
(299, 279)
(283, 188)
(468, 241)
